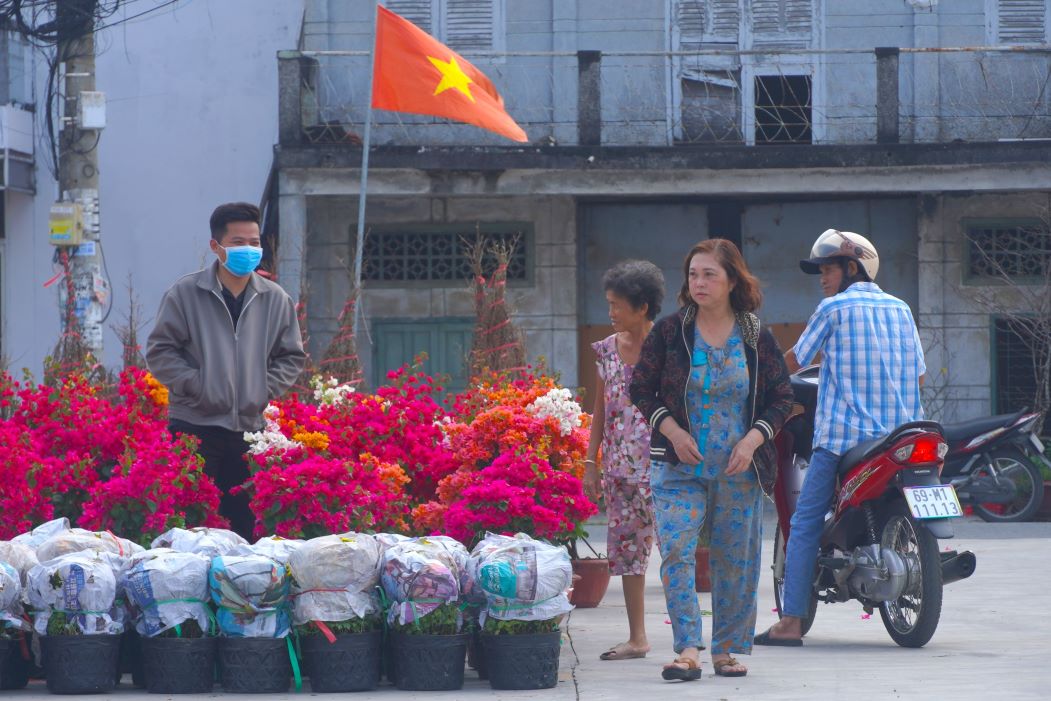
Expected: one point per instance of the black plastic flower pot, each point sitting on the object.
(351, 663)
(80, 664)
(255, 665)
(429, 662)
(14, 672)
(179, 665)
(476, 656)
(528, 661)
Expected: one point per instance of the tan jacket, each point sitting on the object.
(216, 374)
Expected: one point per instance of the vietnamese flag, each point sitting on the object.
(416, 73)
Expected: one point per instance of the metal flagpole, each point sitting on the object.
(365, 142)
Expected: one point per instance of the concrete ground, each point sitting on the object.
(994, 641)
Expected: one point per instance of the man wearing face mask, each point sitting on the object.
(225, 343)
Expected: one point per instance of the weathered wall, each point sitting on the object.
(545, 310)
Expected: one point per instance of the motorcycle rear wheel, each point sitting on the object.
(1014, 465)
(912, 618)
(779, 585)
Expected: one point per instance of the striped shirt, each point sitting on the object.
(869, 382)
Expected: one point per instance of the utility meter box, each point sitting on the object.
(91, 110)
(66, 224)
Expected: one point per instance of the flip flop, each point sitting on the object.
(721, 665)
(691, 674)
(765, 638)
(614, 654)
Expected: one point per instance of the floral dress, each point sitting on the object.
(625, 466)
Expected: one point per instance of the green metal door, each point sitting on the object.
(447, 343)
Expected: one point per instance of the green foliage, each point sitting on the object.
(495, 627)
(60, 624)
(352, 626)
(444, 620)
(188, 629)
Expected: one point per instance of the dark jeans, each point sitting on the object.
(223, 451)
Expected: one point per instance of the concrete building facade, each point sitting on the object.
(657, 123)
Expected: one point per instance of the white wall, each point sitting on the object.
(191, 122)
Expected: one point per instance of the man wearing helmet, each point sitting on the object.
(869, 384)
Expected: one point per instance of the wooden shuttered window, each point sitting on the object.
(707, 22)
(463, 25)
(1021, 21)
(784, 23)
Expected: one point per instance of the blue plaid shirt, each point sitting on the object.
(870, 378)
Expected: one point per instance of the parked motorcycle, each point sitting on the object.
(879, 542)
(992, 464)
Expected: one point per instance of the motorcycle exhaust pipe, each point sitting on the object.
(957, 566)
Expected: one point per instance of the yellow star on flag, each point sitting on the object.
(452, 77)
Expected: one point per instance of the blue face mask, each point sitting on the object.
(243, 260)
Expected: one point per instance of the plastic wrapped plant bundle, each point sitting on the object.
(210, 542)
(483, 549)
(523, 579)
(166, 588)
(251, 592)
(334, 578)
(45, 530)
(79, 540)
(19, 556)
(79, 591)
(418, 576)
(272, 546)
(11, 598)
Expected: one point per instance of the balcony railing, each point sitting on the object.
(836, 96)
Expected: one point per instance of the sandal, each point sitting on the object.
(721, 665)
(622, 652)
(672, 673)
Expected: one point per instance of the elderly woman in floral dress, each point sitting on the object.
(634, 291)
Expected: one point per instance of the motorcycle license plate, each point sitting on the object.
(933, 502)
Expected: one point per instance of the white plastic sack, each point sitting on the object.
(79, 540)
(166, 588)
(81, 585)
(210, 542)
(419, 575)
(251, 593)
(334, 578)
(11, 598)
(19, 556)
(45, 530)
(523, 579)
(272, 546)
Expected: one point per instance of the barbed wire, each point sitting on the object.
(665, 98)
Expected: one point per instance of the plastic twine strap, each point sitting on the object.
(325, 630)
(213, 625)
(296, 673)
(415, 613)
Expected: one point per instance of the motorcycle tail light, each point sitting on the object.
(922, 451)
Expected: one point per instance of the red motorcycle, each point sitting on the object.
(879, 544)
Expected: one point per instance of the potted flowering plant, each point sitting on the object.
(520, 444)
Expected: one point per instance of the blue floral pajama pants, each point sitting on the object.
(681, 503)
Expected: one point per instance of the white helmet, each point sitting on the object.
(834, 244)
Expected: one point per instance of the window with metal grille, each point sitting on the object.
(395, 257)
(1015, 370)
(1018, 249)
(783, 109)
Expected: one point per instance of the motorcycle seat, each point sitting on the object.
(966, 430)
(858, 454)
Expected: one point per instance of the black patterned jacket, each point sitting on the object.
(658, 385)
